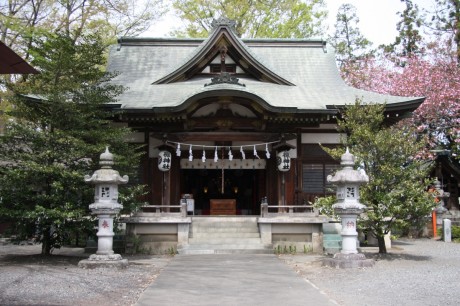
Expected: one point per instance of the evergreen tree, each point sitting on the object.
(396, 195)
(60, 127)
(445, 20)
(273, 18)
(349, 44)
(409, 40)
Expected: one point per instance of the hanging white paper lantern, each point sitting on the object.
(284, 161)
(164, 161)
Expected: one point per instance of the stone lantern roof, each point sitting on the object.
(347, 174)
(106, 174)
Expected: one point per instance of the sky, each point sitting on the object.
(377, 18)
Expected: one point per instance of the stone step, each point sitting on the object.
(228, 240)
(200, 229)
(228, 245)
(230, 219)
(224, 251)
(225, 224)
(226, 235)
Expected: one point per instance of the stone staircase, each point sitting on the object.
(225, 235)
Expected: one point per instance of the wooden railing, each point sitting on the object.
(291, 210)
(165, 210)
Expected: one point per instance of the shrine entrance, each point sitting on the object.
(245, 186)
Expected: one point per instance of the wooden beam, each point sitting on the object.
(223, 136)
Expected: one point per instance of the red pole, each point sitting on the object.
(433, 220)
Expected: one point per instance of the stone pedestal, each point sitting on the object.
(345, 261)
(104, 261)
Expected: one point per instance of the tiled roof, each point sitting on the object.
(308, 64)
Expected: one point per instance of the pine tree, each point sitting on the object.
(409, 40)
(349, 44)
(445, 20)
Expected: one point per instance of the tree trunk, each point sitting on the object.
(382, 246)
(46, 241)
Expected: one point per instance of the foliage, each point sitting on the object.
(396, 194)
(273, 18)
(130, 198)
(22, 19)
(409, 39)
(291, 250)
(348, 42)
(455, 232)
(436, 77)
(445, 23)
(324, 205)
(417, 65)
(60, 129)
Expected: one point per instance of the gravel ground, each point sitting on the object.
(30, 279)
(415, 272)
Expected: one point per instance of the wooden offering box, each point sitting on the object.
(223, 207)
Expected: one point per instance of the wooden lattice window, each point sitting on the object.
(216, 68)
(314, 178)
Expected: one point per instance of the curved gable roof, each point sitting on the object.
(175, 65)
(223, 36)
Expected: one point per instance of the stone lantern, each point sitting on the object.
(441, 196)
(105, 207)
(348, 208)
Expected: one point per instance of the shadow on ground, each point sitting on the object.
(391, 256)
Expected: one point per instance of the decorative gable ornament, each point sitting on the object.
(225, 77)
(223, 21)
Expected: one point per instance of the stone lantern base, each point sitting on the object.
(345, 261)
(103, 261)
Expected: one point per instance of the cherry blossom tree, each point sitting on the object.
(434, 75)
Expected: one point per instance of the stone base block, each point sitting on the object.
(104, 261)
(346, 261)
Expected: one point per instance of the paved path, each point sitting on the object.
(235, 279)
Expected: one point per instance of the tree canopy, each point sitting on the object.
(22, 19)
(264, 19)
(396, 195)
(422, 62)
(60, 126)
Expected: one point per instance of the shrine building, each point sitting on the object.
(233, 127)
